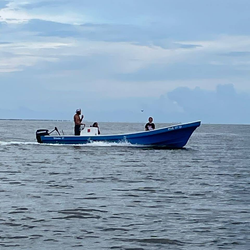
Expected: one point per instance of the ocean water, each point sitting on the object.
(118, 196)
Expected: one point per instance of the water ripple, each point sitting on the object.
(123, 197)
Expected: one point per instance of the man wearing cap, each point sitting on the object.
(78, 121)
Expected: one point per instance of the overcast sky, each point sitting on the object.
(175, 60)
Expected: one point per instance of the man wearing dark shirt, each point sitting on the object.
(150, 125)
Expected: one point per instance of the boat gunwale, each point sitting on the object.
(139, 133)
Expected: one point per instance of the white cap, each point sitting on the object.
(78, 110)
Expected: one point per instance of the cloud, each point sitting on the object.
(166, 19)
(54, 53)
(18, 56)
(3, 4)
(224, 105)
(17, 12)
(237, 54)
(40, 4)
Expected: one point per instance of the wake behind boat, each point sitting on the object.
(175, 136)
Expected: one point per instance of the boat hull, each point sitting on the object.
(169, 137)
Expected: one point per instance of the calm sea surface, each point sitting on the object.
(116, 196)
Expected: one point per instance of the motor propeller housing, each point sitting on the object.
(41, 132)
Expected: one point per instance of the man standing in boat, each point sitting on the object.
(78, 121)
(150, 125)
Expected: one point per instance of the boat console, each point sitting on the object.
(89, 131)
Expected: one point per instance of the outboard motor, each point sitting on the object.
(41, 132)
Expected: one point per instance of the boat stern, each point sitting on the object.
(41, 132)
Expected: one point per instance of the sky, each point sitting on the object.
(122, 61)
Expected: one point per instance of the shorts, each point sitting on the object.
(77, 129)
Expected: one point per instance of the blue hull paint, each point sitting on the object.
(169, 137)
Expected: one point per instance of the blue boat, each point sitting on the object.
(175, 136)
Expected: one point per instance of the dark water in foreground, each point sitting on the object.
(115, 196)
